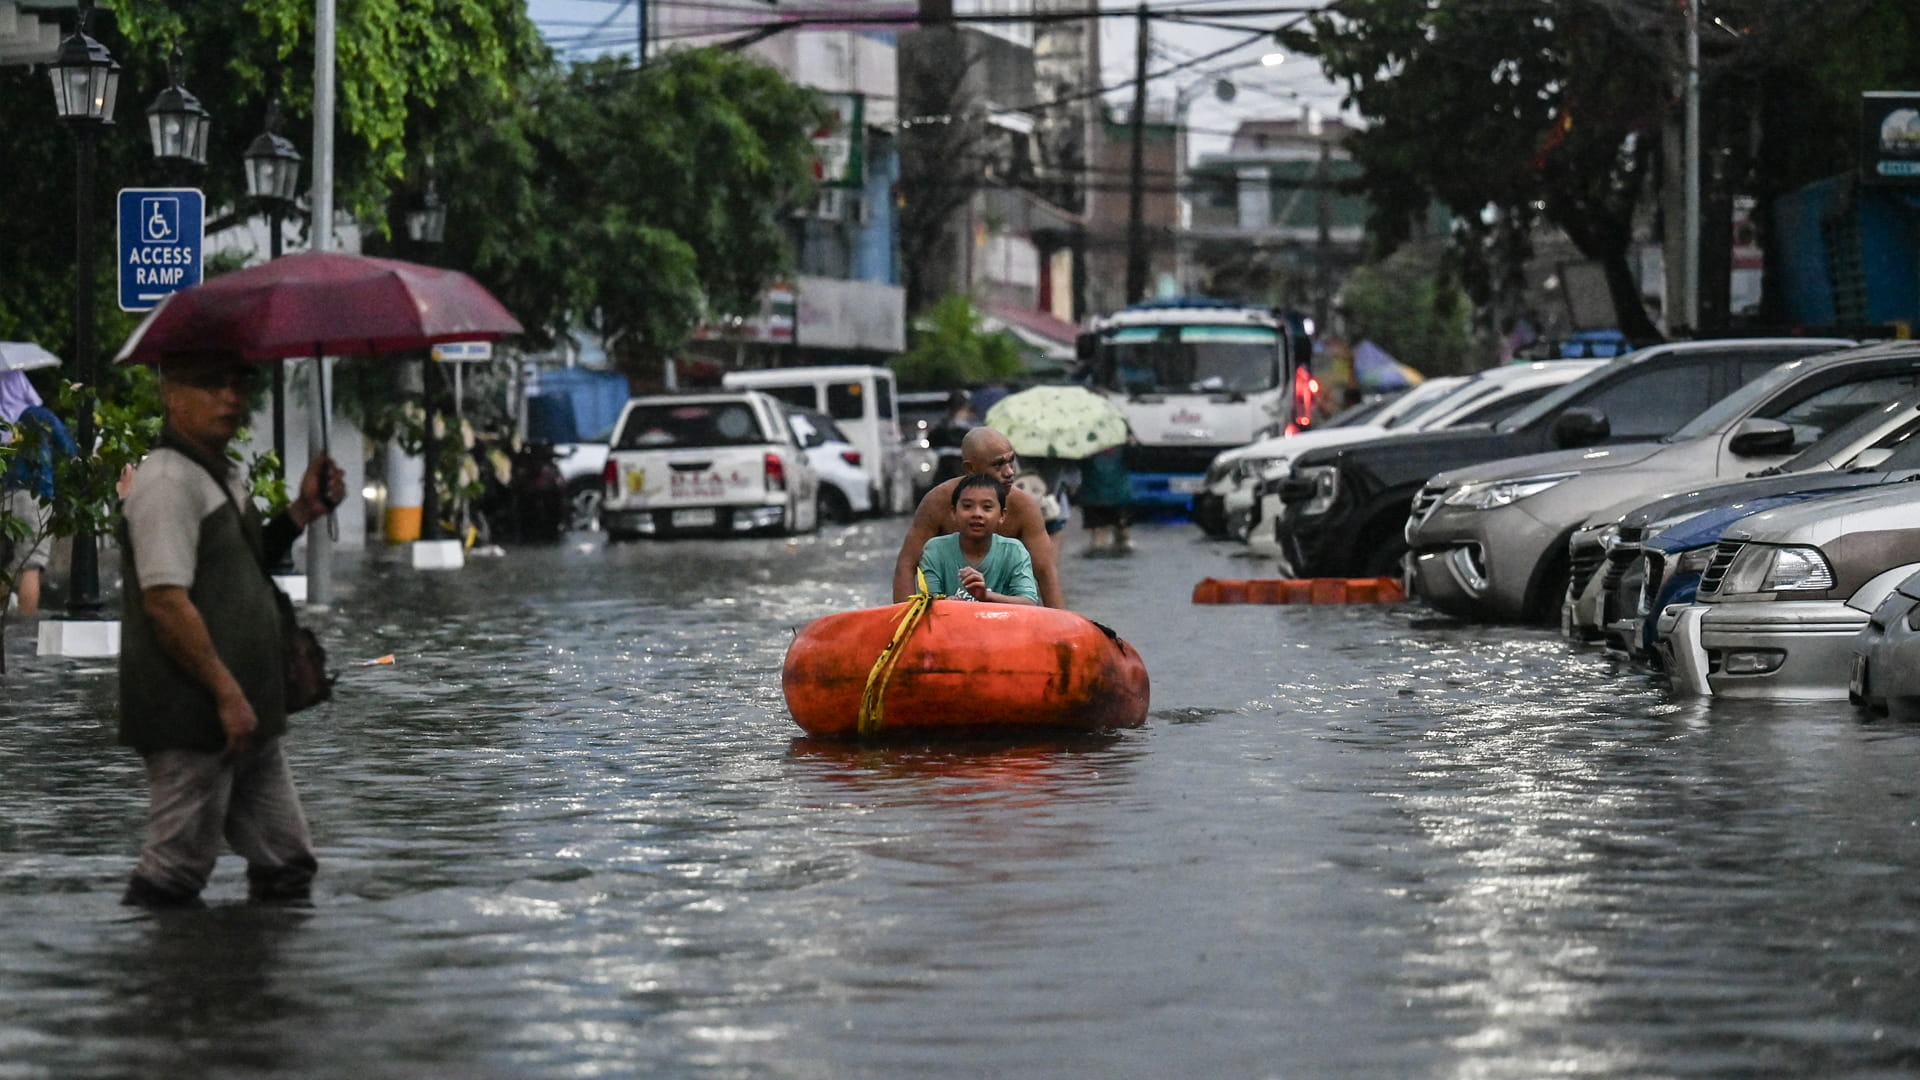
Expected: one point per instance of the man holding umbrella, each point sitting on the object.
(201, 673)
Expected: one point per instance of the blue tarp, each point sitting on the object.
(569, 405)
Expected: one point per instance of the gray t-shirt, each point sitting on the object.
(170, 496)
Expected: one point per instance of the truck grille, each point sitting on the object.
(1655, 574)
(1723, 556)
(1423, 505)
(1582, 561)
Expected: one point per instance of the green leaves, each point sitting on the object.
(950, 350)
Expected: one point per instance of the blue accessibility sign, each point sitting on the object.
(162, 232)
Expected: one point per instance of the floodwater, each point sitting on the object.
(571, 832)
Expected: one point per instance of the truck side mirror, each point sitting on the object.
(1578, 427)
(1756, 437)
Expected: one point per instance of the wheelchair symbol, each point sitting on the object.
(160, 221)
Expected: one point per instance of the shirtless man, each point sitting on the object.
(984, 450)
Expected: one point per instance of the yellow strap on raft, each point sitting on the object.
(870, 699)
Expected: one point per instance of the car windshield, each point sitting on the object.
(1906, 449)
(1723, 413)
(1190, 360)
(670, 425)
(1554, 402)
(1835, 442)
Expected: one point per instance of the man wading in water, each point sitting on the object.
(983, 451)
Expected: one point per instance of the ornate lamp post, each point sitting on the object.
(273, 176)
(176, 122)
(86, 81)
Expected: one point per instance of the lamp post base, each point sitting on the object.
(80, 637)
(438, 555)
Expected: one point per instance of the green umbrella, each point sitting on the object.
(1059, 422)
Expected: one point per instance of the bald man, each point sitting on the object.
(984, 450)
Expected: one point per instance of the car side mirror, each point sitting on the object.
(1756, 437)
(1085, 346)
(1578, 427)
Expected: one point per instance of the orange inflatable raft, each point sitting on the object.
(952, 666)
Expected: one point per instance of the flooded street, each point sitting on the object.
(571, 832)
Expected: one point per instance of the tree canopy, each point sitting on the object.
(635, 201)
(1555, 113)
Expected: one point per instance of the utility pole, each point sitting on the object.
(1689, 314)
(1323, 242)
(319, 538)
(1137, 170)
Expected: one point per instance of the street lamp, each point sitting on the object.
(273, 175)
(1183, 98)
(176, 122)
(86, 81)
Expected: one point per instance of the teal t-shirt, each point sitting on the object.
(1008, 568)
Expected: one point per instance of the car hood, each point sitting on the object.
(1818, 521)
(1706, 528)
(1708, 497)
(1295, 445)
(1584, 460)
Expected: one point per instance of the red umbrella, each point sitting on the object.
(321, 303)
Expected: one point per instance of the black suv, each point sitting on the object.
(1346, 507)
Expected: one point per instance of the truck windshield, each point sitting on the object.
(1190, 360)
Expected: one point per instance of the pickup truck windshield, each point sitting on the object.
(1552, 403)
(1190, 360)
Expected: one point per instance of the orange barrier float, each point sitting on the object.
(1382, 590)
(955, 667)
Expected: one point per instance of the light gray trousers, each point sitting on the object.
(249, 801)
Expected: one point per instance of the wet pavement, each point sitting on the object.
(571, 832)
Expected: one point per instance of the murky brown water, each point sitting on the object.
(572, 833)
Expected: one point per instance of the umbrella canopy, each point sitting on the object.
(25, 356)
(1058, 422)
(1374, 368)
(321, 303)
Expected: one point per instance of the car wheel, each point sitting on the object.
(583, 505)
(1210, 513)
(834, 506)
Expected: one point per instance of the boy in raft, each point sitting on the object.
(978, 563)
(983, 451)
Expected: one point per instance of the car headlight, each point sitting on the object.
(1325, 484)
(1494, 494)
(1607, 536)
(1760, 568)
(1251, 469)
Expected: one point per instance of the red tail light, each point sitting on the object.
(776, 472)
(851, 457)
(1305, 389)
(610, 476)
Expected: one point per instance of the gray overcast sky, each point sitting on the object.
(584, 27)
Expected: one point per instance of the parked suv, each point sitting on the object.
(723, 462)
(1787, 592)
(1347, 508)
(1490, 541)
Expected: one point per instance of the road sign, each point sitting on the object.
(455, 352)
(162, 231)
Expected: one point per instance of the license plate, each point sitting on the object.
(1187, 485)
(693, 519)
(1857, 680)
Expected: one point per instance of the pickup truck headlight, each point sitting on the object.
(1248, 470)
(1694, 560)
(1494, 494)
(1760, 568)
(1324, 482)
